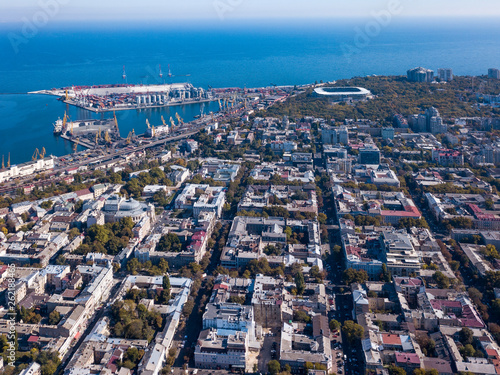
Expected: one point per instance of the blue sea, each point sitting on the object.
(219, 54)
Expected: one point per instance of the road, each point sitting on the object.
(98, 315)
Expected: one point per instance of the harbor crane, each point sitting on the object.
(130, 135)
(147, 123)
(170, 75)
(75, 146)
(36, 154)
(116, 123)
(179, 119)
(172, 122)
(64, 122)
(8, 162)
(42, 154)
(107, 138)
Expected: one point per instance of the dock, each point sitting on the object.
(81, 142)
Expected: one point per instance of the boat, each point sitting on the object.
(58, 126)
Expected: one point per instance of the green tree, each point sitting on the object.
(274, 367)
(169, 242)
(133, 266)
(468, 351)
(352, 331)
(54, 318)
(441, 280)
(46, 205)
(466, 336)
(334, 325)
(300, 283)
(395, 370)
(351, 275)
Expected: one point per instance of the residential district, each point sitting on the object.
(264, 244)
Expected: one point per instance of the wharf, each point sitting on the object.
(81, 142)
(137, 107)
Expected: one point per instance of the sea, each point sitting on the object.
(222, 53)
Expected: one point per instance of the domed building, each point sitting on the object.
(116, 208)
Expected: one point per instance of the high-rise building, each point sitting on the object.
(421, 124)
(445, 74)
(387, 133)
(332, 136)
(370, 154)
(436, 125)
(420, 75)
(494, 73)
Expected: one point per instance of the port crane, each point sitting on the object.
(107, 137)
(65, 120)
(172, 122)
(164, 123)
(170, 75)
(75, 146)
(8, 162)
(124, 75)
(37, 154)
(130, 135)
(116, 123)
(179, 119)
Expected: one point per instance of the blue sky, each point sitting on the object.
(88, 10)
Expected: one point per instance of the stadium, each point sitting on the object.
(343, 93)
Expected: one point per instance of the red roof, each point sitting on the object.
(33, 338)
(407, 358)
(79, 193)
(391, 339)
(221, 286)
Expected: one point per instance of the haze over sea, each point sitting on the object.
(220, 54)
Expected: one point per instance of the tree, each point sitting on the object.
(73, 233)
(300, 283)
(495, 309)
(169, 242)
(322, 218)
(61, 260)
(272, 250)
(133, 266)
(334, 325)
(468, 351)
(441, 279)
(54, 318)
(163, 265)
(352, 331)
(301, 316)
(274, 367)
(46, 205)
(386, 275)
(466, 336)
(351, 275)
(395, 370)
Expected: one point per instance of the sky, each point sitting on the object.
(219, 10)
